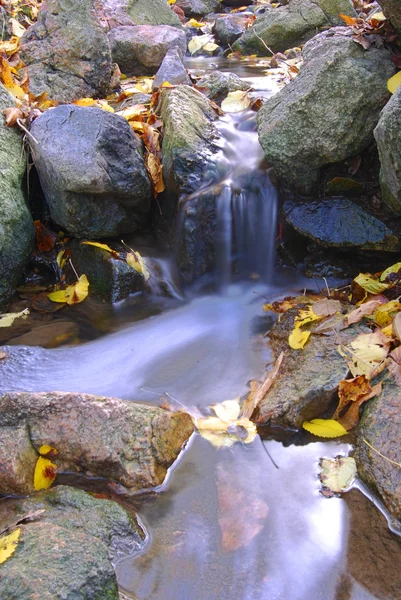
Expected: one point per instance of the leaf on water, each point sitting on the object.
(105, 247)
(45, 474)
(258, 393)
(365, 310)
(351, 417)
(236, 102)
(338, 474)
(8, 319)
(385, 314)
(227, 411)
(351, 390)
(226, 428)
(326, 308)
(8, 545)
(394, 82)
(135, 260)
(370, 284)
(326, 428)
(73, 294)
(298, 338)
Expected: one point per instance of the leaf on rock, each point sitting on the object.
(326, 308)
(12, 114)
(350, 21)
(365, 310)
(135, 260)
(45, 238)
(198, 42)
(394, 82)
(351, 390)
(338, 474)
(368, 351)
(6, 77)
(8, 545)
(385, 314)
(44, 475)
(105, 247)
(155, 170)
(306, 316)
(298, 338)
(392, 272)
(194, 23)
(351, 417)
(370, 284)
(236, 102)
(73, 294)
(326, 428)
(8, 319)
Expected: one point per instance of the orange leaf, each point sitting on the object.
(349, 20)
(45, 239)
(351, 390)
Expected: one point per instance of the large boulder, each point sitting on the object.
(156, 12)
(141, 50)
(287, 26)
(228, 28)
(339, 223)
(380, 426)
(193, 8)
(392, 10)
(67, 52)
(91, 169)
(16, 226)
(172, 70)
(388, 138)
(329, 111)
(130, 444)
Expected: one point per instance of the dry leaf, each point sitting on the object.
(351, 417)
(326, 428)
(12, 114)
(256, 395)
(45, 474)
(135, 260)
(384, 314)
(351, 390)
(365, 310)
(327, 308)
(45, 238)
(397, 326)
(370, 284)
(236, 102)
(367, 353)
(73, 294)
(338, 474)
(8, 319)
(8, 545)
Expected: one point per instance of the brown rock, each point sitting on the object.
(49, 335)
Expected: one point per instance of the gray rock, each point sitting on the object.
(141, 50)
(67, 52)
(339, 223)
(54, 563)
(388, 138)
(380, 425)
(110, 279)
(288, 26)
(217, 84)
(229, 28)
(308, 379)
(4, 28)
(156, 12)
(392, 10)
(190, 139)
(329, 111)
(130, 444)
(172, 70)
(91, 169)
(16, 226)
(193, 8)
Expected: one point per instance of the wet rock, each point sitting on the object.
(16, 226)
(329, 111)
(49, 335)
(156, 12)
(193, 8)
(57, 563)
(140, 50)
(237, 3)
(339, 223)
(287, 26)
(388, 138)
(130, 444)
(190, 139)
(391, 9)
(67, 52)
(110, 279)
(171, 70)
(308, 379)
(91, 169)
(217, 84)
(4, 28)
(380, 425)
(229, 28)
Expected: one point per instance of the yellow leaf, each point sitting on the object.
(326, 428)
(194, 23)
(236, 102)
(338, 473)
(73, 294)
(8, 318)
(387, 331)
(385, 313)
(102, 247)
(155, 170)
(60, 259)
(131, 113)
(135, 260)
(9, 46)
(171, 1)
(394, 82)
(306, 316)
(7, 78)
(369, 284)
(8, 545)
(17, 29)
(85, 102)
(104, 105)
(167, 84)
(47, 450)
(367, 353)
(393, 270)
(298, 338)
(227, 411)
(45, 474)
(226, 428)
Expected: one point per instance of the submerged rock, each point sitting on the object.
(130, 444)
(380, 426)
(141, 50)
(287, 26)
(172, 70)
(329, 111)
(308, 379)
(67, 52)
(217, 84)
(16, 226)
(388, 138)
(229, 28)
(91, 169)
(339, 223)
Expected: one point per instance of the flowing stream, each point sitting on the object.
(234, 523)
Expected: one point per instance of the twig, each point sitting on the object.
(73, 268)
(380, 454)
(254, 398)
(327, 287)
(269, 455)
(28, 133)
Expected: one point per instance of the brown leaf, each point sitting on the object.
(3, 355)
(42, 304)
(326, 308)
(351, 417)
(351, 390)
(12, 114)
(349, 20)
(45, 239)
(256, 396)
(397, 326)
(366, 309)
(362, 41)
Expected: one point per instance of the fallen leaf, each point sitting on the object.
(198, 42)
(385, 314)
(45, 474)
(348, 20)
(155, 170)
(338, 474)
(305, 316)
(12, 114)
(17, 29)
(365, 310)
(298, 338)
(350, 390)
(194, 23)
(326, 308)
(45, 238)
(8, 545)
(25, 519)
(3, 355)
(394, 82)
(370, 284)
(351, 417)
(326, 428)
(105, 247)
(7, 79)
(392, 272)
(72, 294)
(8, 319)
(368, 351)
(47, 451)
(236, 102)
(135, 260)
(256, 395)
(227, 427)
(397, 326)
